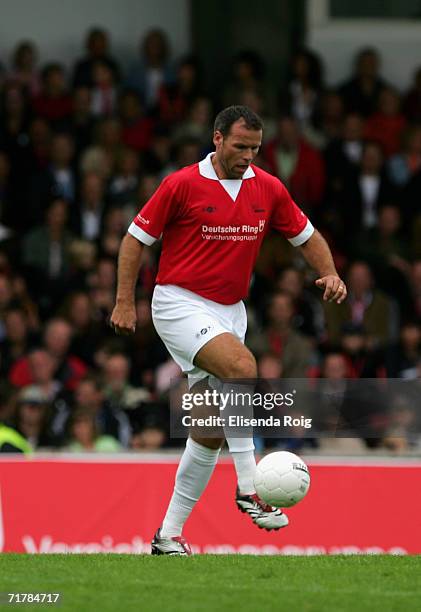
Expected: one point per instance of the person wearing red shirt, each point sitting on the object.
(387, 124)
(297, 164)
(53, 102)
(137, 132)
(212, 217)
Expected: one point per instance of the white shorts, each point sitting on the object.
(186, 321)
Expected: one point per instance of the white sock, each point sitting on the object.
(241, 449)
(242, 452)
(193, 474)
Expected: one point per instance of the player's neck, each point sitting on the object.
(219, 168)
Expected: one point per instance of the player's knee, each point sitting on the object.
(213, 443)
(244, 367)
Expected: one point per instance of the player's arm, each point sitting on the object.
(123, 317)
(317, 253)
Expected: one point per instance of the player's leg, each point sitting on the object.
(227, 358)
(193, 474)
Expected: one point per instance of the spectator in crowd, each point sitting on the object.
(137, 129)
(366, 191)
(58, 180)
(386, 249)
(6, 297)
(24, 68)
(149, 438)
(115, 226)
(248, 72)
(387, 124)
(15, 143)
(53, 103)
(349, 408)
(153, 69)
(81, 122)
(343, 155)
(412, 101)
(147, 186)
(18, 338)
(269, 366)
(110, 420)
(97, 49)
(185, 153)
(102, 289)
(404, 165)
(361, 92)
(84, 436)
(104, 90)
(32, 418)
(297, 164)
(146, 349)
(280, 338)
(125, 182)
(57, 339)
(403, 357)
(365, 306)
(45, 255)
(415, 283)
(158, 156)
(331, 120)
(304, 89)
(174, 99)
(118, 391)
(39, 144)
(42, 366)
(308, 312)
(12, 442)
(197, 124)
(403, 425)
(100, 158)
(258, 104)
(6, 206)
(87, 330)
(87, 217)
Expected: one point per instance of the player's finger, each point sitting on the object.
(341, 293)
(337, 289)
(123, 329)
(329, 286)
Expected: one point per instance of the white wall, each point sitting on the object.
(58, 27)
(337, 40)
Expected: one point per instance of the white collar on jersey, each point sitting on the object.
(207, 170)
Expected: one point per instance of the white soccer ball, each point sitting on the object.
(281, 479)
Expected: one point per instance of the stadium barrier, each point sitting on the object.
(98, 504)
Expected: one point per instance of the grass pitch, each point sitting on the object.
(216, 582)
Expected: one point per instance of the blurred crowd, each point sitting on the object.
(82, 149)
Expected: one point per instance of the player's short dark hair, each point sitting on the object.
(231, 114)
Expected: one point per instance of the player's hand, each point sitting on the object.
(123, 319)
(334, 288)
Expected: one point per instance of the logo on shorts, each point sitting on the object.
(203, 331)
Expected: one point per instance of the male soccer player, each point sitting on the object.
(212, 217)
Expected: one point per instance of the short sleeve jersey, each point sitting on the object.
(212, 229)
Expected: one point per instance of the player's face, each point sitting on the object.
(236, 151)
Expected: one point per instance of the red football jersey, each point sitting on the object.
(212, 229)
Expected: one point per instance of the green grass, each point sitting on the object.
(217, 583)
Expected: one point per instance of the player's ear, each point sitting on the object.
(217, 138)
